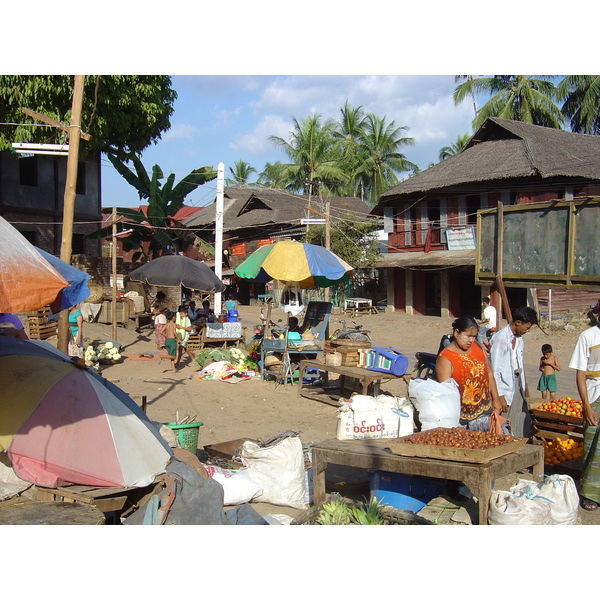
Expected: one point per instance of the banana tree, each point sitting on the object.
(153, 231)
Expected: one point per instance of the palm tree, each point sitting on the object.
(241, 174)
(313, 167)
(273, 176)
(468, 79)
(517, 97)
(349, 132)
(581, 95)
(455, 147)
(380, 156)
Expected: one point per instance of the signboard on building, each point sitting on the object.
(266, 242)
(238, 249)
(461, 238)
(545, 244)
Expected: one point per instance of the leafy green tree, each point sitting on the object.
(581, 95)
(518, 97)
(380, 156)
(273, 176)
(352, 238)
(164, 201)
(240, 172)
(123, 113)
(349, 132)
(455, 147)
(313, 167)
(469, 80)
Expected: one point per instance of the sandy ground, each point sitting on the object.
(259, 409)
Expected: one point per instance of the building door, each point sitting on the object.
(433, 295)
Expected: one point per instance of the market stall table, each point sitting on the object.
(217, 333)
(356, 306)
(364, 376)
(375, 454)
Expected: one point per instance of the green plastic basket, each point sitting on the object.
(187, 434)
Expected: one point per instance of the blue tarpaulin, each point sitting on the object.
(77, 291)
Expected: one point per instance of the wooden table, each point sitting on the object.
(374, 454)
(365, 376)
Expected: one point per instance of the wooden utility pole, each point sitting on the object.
(327, 241)
(69, 199)
(113, 254)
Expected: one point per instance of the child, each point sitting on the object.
(160, 322)
(183, 327)
(548, 366)
(170, 331)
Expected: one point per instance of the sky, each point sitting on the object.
(243, 70)
(225, 118)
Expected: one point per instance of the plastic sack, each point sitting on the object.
(558, 491)
(509, 508)
(374, 417)
(278, 470)
(238, 488)
(438, 404)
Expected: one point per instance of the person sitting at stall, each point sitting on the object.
(230, 303)
(160, 299)
(8, 318)
(465, 361)
(206, 309)
(293, 325)
(193, 312)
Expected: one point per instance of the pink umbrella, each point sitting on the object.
(61, 422)
(27, 281)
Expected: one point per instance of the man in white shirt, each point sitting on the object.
(586, 361)
(506, 358)
(487, 323)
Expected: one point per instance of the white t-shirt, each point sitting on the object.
(586, 355)
(489, 312)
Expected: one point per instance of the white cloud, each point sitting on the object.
(180, 132)
(256, 143)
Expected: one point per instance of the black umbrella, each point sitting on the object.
(175, 270)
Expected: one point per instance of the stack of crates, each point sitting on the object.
(38, 327)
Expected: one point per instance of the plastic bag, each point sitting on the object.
(278, 470)
(438, 404)
(238, 488)
(369, 417)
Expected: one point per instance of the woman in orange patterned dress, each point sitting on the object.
(466, 362)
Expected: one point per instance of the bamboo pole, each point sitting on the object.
(69, 199)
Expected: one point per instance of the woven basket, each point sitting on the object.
(187, 435)
(96, 292)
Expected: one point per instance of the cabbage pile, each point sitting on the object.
(104, 353)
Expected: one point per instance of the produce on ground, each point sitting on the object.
(563, 406)
(457, 437)
(559, 450)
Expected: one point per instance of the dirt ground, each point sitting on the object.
(259, 409)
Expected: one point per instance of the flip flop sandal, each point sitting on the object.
(588, 504)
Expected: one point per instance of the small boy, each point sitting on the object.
(548, 366)
(170, 331)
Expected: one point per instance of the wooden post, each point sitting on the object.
(113, 254)
(327, 241)
(499, 262)
(69, 199)
(504, 297)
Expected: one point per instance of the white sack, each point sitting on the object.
(237, 486)
(508, 508)
(438, 404)
(278, 470)
(561, 492)
(368, 417)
